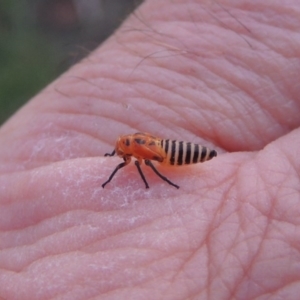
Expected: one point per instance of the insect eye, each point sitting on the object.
(126, 142)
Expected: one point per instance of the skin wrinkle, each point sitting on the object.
(36, 266)
(77, 133)
(244, 35)
(168, 88)
(291, 164)
(275, 31)
(141, 20)
(148, 100)
(149, 118)
(233, 108)
(167, 108)
(275, 188)
(88, 132)
(134, 231)
(160, 121)
(154, 100)
(166, 105)
(106, 75)
(257, 254)
(188, 259)
(203, 133)
(154, 56)
(131, 196)
(271, 46)
(38, 232)
(250, 130)
(267, 111)
(218, 269)
(211, 270)
(246, 277)
(240, 280)
(272, 114)
(173, 51)
(273, 290)
(122, 124)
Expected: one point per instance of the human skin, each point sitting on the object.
(223, 74)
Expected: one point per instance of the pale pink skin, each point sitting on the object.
(223, 74)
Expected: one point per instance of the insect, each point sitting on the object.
(144, 146)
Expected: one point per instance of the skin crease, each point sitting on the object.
(224, 74)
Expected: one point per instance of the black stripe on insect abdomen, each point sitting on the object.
(185, 153)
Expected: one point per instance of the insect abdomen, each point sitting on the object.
(185, 153)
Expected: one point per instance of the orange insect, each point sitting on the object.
(144, 146)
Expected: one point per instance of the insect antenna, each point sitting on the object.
(110, 154)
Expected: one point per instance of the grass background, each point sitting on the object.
(40, 39)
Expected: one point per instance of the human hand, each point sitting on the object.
(223, 75)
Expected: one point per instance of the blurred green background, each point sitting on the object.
(40, 39)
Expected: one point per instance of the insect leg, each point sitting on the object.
(141, 173)
(121, 165)
(149, 163)
(110, 154)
